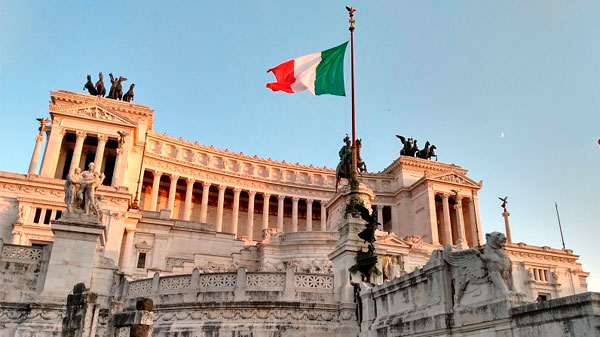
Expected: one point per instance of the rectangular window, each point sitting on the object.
(38, 214)
(141, 263)
(47, 216)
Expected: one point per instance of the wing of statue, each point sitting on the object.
(402, 139)
(468, 259)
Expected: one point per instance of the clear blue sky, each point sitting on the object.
(455, 73)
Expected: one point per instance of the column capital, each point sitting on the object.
(222, 187)
(266, 195)
(309, 201)
(237, 190)
(39, 138)
(190, 181)
(206, 184)
(102, 138)
(130, 230)
(61, 131)
(80, 134)
(444, 195)
(157, 173)
(280, 197)
(295, 199)
(174, 177)
(251, 193)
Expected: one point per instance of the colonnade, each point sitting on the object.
(53, 151)
(449, 226)
(250, 225)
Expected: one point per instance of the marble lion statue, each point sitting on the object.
(473, 266)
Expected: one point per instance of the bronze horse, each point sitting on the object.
(344, 167)
(427, 152)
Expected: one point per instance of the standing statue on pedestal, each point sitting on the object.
(344, 167)
(80, 192)
(503, 203)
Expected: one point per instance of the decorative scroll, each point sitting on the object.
(22, 252)
(174, 282)
(266, 280)
(218, 280)
(314, 281)
(140, 287)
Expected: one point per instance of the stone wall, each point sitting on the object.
(20, 271)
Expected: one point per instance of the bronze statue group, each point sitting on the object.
(116, 89)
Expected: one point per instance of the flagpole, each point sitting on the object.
(351, 11)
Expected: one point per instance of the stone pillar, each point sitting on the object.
(446, 224)
(266, 200)
(187, 210)
(172, 190)
(52, 151)
(204, 207)
(77, 151)
(323, 216)
(309, 203)
(102, 139)
(380, 216)
(120, 165)
(221, 200)
(250, 223)
(295, 214)
(39, 139)
(235, 215)
(505, 214)
(476, 220)
(155, 188)
(395, 220)
(280, 200)
(435, 235)
(126, 265)
(461, 241)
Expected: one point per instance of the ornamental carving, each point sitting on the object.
(22, 252)
(265, 280)
(140, 287)
(174, 282)
(218, 280)
(314, 281)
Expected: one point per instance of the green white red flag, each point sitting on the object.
(320, 73)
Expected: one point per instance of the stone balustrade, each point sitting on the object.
(237, 286)
(22, 253)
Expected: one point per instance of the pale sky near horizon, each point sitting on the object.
(508, 90)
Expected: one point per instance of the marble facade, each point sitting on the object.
(189, 224)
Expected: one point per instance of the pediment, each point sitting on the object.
(455, 178)
(93, 112)
(393, 240)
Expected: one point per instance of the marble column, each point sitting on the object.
(380, 216)
(250, 223)
(127, 251)
(52, 151)
(266, 200)
(323, 216)
(395, 220)
(172, 191)
(220, 203)
(77, 151)
(433, 217)
(295, 214)
(235, 215)
(204, 206)
(280, 200)
(446, 224)
(505, 215)
(102, 139)
(476, 220)
(309, 204)
(461, 241)
(187, 210)
(155, 188)
(39, 139)
(120, 164)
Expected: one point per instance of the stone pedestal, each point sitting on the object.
(76, 240)
(343, 257)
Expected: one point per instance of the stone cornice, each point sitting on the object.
(422, 165)
(61, 100)
(541, 253)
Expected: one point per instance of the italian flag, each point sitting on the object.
(320, 73)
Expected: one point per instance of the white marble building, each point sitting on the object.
(175, 207)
